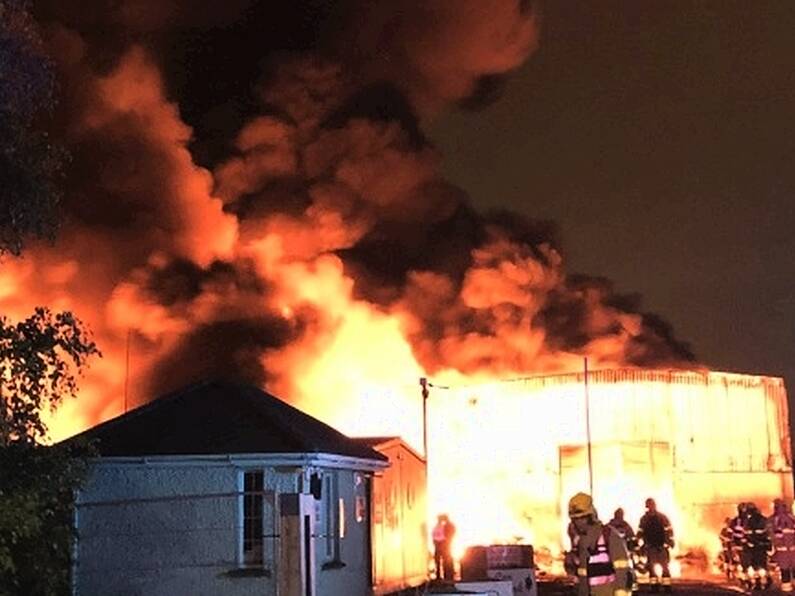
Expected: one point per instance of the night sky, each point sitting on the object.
(661, 138)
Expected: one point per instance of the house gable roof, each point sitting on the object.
(219, 417)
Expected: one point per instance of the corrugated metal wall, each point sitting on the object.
(497, 448)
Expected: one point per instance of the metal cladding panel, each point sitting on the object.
(400, 549)
(507, 456)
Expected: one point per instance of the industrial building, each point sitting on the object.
(505, 457)
(399, 517)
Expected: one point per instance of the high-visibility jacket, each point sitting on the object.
(603, 563)
(739, 535)
(726, 537)
(781, 528)
(727, 545)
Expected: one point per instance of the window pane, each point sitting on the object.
(253, 483)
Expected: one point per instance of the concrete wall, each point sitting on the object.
(172, 528)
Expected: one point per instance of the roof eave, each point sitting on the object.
(324, 460)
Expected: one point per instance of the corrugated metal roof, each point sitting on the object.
(702, 376)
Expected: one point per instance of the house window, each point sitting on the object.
(253, 487)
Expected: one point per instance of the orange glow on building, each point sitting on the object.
(505, 457)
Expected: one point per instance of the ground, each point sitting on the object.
(564, 587)
(680, 588)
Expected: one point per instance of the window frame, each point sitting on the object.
(258, 495)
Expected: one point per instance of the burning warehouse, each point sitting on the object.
(507, 456)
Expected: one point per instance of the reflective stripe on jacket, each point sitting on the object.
(739, 537)
(756, 532)
(782, 533)
(604, 562)
(600, 568)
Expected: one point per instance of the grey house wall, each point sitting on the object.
(348, 572)
(172, 527)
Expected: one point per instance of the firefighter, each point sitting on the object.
(442, 534)
(603, 561)
(758, 545)
(781, 528)
(623, 528)
(727, 552)
(657, 535)
(740, 551)
(620, 525)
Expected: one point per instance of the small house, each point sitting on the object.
(222, 489)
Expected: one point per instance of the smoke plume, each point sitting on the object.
(252, 195)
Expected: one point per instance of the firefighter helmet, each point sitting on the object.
(581, 505)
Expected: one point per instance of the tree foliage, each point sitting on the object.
(41, 356)
(30, 163)
(40, 359)
(37, 485)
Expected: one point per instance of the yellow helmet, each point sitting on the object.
(581, 505)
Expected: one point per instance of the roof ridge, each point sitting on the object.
(258, 407)
(219, 415)
(280, 408)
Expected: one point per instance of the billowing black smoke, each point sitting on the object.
(219, 148)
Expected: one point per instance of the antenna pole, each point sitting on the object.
(588, 427)
(424, 385)
(126, 369)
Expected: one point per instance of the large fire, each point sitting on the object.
(505, 456)
(698, 442)
(326, 259)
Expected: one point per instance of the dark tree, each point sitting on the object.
(39, 360)
(41, 356)
(30, 163)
